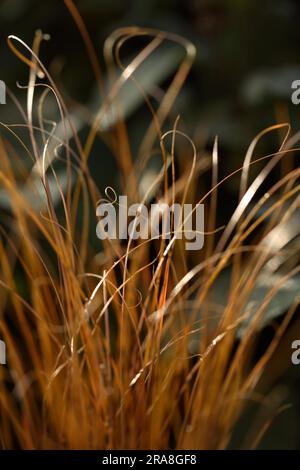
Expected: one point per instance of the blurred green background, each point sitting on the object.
(247, 58)
(247, 54)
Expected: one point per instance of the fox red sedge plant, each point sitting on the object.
(125, 345)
